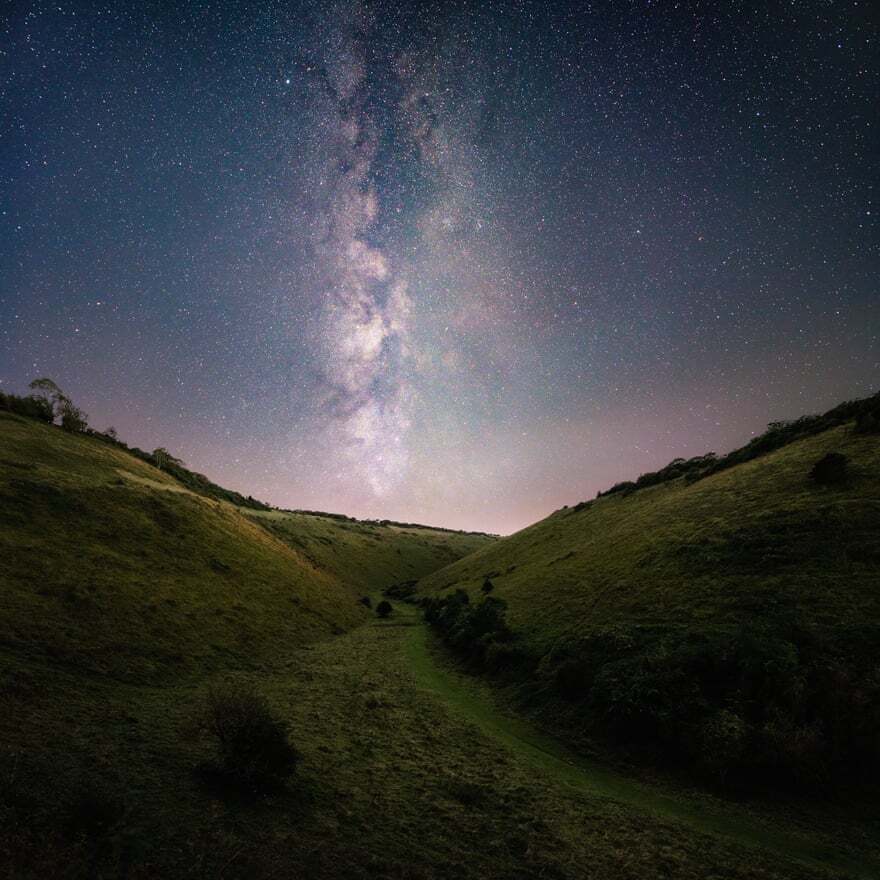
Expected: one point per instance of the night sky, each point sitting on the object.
(458, 264)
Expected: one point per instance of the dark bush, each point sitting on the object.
(478, 631)
(94, 810)
(384, 609)
(251, 740)
(772, 702)
(403, 590)
(488, 586)
(31, 407)
(366, 601)
(830, 470)
(868, 423)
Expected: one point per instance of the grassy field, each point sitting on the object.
(122, 591)
(716, 549)
(403, 776)
(126, 597)
(110, 566)
(734, 616)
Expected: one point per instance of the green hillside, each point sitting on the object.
(736, 615)
(125, 595)
(369, 556)
(111, 565)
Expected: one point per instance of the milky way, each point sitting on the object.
(459, 264)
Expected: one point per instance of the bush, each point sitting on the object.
(723, 739)
(488, 586)
(384, 609)
(868, 423)
(403, 590)
(252, 741)
(366, 601)
(31, 407)
(478, 632)
(830, 470)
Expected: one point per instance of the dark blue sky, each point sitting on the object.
(460, 263)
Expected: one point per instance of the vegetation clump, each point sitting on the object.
(251, 740)
(403, 590)
(752, 705)
(384, 609)
(830, 470)
(477, 631)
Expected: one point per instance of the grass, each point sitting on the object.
(112, 567)
(683, 554)
(821, 842)
(404, 774)
(728, 623)
(368, 556)
(125, 597)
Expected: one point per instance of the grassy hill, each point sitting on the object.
(733, 618)
(109, 564)
(369, 556)
(125, 594)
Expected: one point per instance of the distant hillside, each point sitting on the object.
(369, 556)
(733, 613)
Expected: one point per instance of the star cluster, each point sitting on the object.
(457, 263)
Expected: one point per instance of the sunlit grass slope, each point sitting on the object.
(735, 615)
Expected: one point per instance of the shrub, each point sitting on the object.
(488, 586)
(31, 407)
(830, 470)
(723, 737)
(478, 632)
(868, 423)
(252, 741)
(403, 590)
(384, 609)
(366, 601)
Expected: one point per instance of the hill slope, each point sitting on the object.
(111, 565)
(739, 613)
(369, 556)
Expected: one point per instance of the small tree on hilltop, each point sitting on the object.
(384, 609)
(62, 407)
(72, 417)
(164, 458)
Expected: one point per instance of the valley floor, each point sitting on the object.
(410, 772)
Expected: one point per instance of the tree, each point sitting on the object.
(163, 458)
(252, 740)
(384, 609)
(111, 433)
(62, 407)
(72, 417)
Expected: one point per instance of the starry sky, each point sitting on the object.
(454, 263)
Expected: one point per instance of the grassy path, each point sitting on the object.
(558, 763)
